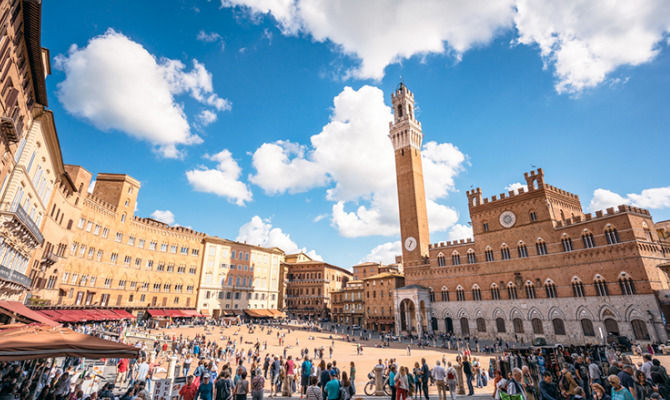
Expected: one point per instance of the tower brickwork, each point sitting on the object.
(406, 136)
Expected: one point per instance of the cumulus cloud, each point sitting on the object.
(222, 180)
(260, 232)
(165, 216)
(206, 117)
(516, 186)
(352, 157)
(459, 231)
(654, 198)
(380, 32)
(384, 253)
(116, 84)
(583, 40)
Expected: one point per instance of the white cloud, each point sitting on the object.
(165, 216)
(459, 231)
(320, 217)
(352, 157)
(384, 253)
(380, 32)
(208, 36)
(260, 232)
(281, 167)
(516, 186)
(211, 37)
(223, 180)
(583, 40)
(654, 198)
(206, 117)
(116, 84)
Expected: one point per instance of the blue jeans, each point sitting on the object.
(471, 390)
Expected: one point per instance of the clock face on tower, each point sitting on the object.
(507, 219)
(410, 243)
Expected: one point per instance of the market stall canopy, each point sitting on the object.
(40, 341)
(23, 312)
(82, 315)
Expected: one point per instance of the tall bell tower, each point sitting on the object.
(406, 136)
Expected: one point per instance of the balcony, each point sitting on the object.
(24, 226)
(49, 259)
(8, 275)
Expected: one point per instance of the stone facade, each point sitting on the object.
(349, 304)
(310, 284)
(238, 276)
(29, 167)
(536, 250)
(116, 259)
(380, 309)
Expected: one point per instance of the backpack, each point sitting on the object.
(450, 376)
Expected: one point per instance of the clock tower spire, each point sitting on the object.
(406, 136)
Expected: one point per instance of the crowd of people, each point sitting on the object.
(232, 368)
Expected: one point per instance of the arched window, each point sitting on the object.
(441, 261)
(511, 291)
(530, 290)
(399, 110)
(504, 252)
(640, 329)
(626, 284)
(476, 293)
(577, 287)
(500, 325)
(601, 286)
(518, 325)
(587, 239)
(587, 327)
(647, 232)
(465, 327)
(481, 325)
(123, 217)
(550, 288)
(431, 294)
(455, 258)
(538, 329)
(460, 293)
(567, 244)
(495, 292)
(445, 293)
(488, 253)
(559, 326)
(522, 249)
(532, 216)
(612, 235)
(472, 258)
(541, 247)
(69, 225)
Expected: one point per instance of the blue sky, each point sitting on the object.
(266, 121)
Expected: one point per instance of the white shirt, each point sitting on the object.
(439, 373)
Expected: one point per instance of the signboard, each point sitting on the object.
(162, 388)
(176, 387)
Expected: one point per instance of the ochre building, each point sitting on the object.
(379, 291)
(116, 259)
(238, 276)
(310, 284)
(348, 306)
(538, 265)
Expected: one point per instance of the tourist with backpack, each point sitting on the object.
(451, 379)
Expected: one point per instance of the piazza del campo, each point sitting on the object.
(543, 296)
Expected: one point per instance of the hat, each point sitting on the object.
(333, 373)
(205, 376)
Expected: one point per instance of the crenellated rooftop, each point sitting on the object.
(602, 214)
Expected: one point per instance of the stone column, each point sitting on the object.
(379, 381)
(461, 381)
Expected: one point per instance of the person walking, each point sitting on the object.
(451, 379)
(305, 374)
(333, 387)
(392, 374)
(313, 392)
(224, 386)
(352, 375)
(189, 390)
(439, 375)
(205, 390)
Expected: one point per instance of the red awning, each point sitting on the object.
(157, 313)
(23, 311)
(191, 313)
(123, 314)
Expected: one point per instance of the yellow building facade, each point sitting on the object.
(238, 276)
(116, 259)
